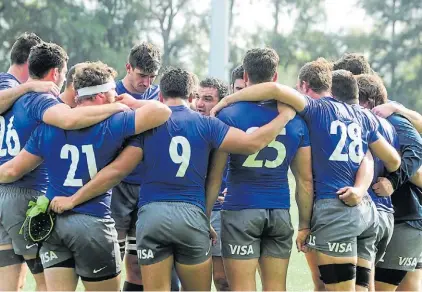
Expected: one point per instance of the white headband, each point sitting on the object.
(91, 90)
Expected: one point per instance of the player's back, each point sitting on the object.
(260, 180)
(176, 157)
(20, 121)
(339, 135)
(389, 133)
(73, 158)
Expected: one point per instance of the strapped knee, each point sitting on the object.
(389, 276)
(9, 258)
(363, 276)
(337, 273)
(35, 266)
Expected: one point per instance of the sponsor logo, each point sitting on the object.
(311, 240)
(99, 270)
(145, 254)
(241, 249)
(28, 246)
(403, 261)
(48, 256)
(339, 247)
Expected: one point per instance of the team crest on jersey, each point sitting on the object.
(339, 247)
(405, 261)
(144, 254)
(48, 256)
(241, 249)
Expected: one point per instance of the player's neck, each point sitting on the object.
(175, 101)
(319, 95)
(68, 98)
(19, 72)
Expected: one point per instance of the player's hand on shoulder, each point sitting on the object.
(387, 109)
(286, 110)
(61, 204)
(383, 187)
(127, 100)
(44, 87)
(218, 107)
(351, 196)
(302, 236)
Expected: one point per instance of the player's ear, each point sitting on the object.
(53, 74)
(128, 68)
(275, 77)
(160, 97)
(190, 98)
(245, 77)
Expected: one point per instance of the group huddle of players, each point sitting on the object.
(188, 180)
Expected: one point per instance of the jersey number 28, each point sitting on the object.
(353, 132)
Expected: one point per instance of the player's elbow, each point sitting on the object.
(10, 174)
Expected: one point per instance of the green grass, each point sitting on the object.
(298, 276)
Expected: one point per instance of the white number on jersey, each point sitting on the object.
(352, 131)
(182, 159)
(11, 134)
(251, 161)
(71, 181)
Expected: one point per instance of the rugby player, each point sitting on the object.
(210, 91)
(237, 82)
(142, 68)
(410, 147)
(46, 62)
(256, 225)
(13, 83)
(172, 223)
(70, 251)
(68, 96)
(340, 134)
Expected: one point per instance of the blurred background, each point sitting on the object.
(388, 32)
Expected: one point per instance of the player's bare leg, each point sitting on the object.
(106, 285)
(381, 286)
(311, 258)
(39, 278)
(133, 272)
(22, 277)
(219, 274)
(195, 277)
(68, 279)
(362, 266)
(325, 260)
(157, 277)
(241, 274)
(412, 281)
(10, 274)
(273, 273)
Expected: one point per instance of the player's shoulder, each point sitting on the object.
(240, 108)
(399, 120)
(120, 88)
(7, 80)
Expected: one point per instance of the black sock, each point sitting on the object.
(132, 287)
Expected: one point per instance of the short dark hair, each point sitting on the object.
(146, 57)
(220, 85)
(71, 74)
(261, 64)
(237, 73)
(353, 62)
(44, 57)
(22, 47)
(91, 74)
(176, 82)
(371, 90)
(345, 88)
(318, 75)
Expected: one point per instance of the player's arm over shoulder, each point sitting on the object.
(151, 115)
(240, 142)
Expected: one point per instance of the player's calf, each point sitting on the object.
(219, 274)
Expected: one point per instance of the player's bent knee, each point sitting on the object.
(389, 276)
(100, 279)
(9, 258)
(337, 273)
(363, 276)
(35, 266)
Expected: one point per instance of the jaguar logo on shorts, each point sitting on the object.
(404, 261)
(241, 249)
(48, 256)
(144, 254)
(339, 247)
